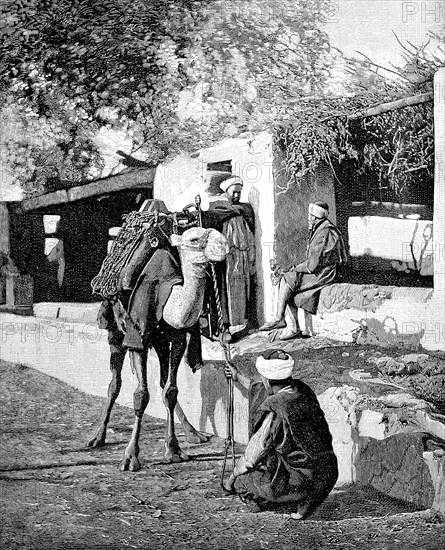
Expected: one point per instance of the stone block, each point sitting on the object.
(436, 465)
(46, 310)
(402, 471)
(371, 424)
(19, 290)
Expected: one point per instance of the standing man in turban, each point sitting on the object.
(289, 458)
(300, 284)
(235, 220)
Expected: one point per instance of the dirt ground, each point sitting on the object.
(55, 493)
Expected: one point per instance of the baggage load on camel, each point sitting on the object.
(134, 227)
(137, 226)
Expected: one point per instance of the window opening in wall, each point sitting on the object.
(216, 173)
(389, 234)
(51, 223)
(54, 247)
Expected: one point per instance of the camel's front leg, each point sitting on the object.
(173, 452)
(117, 356)
(140, 399)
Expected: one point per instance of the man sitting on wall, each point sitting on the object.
(289, 458)
(300, 284)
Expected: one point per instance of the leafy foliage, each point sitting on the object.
(175, 75)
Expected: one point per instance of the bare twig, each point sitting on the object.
(415, 168)
(381, 66)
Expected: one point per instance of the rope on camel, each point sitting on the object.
(135, 224)
(230, 442)
(134, 227)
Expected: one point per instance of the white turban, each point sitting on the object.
(230, 182)
(318, 211)
(275, 369)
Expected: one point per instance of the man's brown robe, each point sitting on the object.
(325, 251)
(236, 223)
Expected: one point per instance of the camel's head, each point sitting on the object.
(202, 245)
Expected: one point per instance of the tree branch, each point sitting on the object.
(393, 105)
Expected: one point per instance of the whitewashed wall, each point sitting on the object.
(179, 181)
(408, 244)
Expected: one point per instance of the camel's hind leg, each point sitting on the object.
(170, 347)
(117, 356)
(141, 399)
(192, 435)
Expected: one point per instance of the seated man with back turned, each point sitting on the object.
(300, 284)
(289, 458)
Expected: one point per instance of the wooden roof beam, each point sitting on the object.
(128, 180)
(393, 105)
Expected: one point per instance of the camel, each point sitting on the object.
(197, 247)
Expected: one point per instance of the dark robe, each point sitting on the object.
(236, 223)
(221, 211)
(325, 252)
(299, 464)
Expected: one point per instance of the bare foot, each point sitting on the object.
(271, 325)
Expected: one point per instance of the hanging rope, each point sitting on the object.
(230, 442)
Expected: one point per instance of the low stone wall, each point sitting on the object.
(394, 443)
(377, 315)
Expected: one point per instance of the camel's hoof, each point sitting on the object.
(96, 441)
(130, 464)
(176, 455)
(197, 437)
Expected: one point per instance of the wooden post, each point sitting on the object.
(439, 186)
(434, 325)
(4, 228)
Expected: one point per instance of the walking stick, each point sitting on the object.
(208, 305)
(230, 442)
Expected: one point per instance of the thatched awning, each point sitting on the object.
(134, 179)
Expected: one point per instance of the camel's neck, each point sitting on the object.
(184, 304)
(193, 274)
